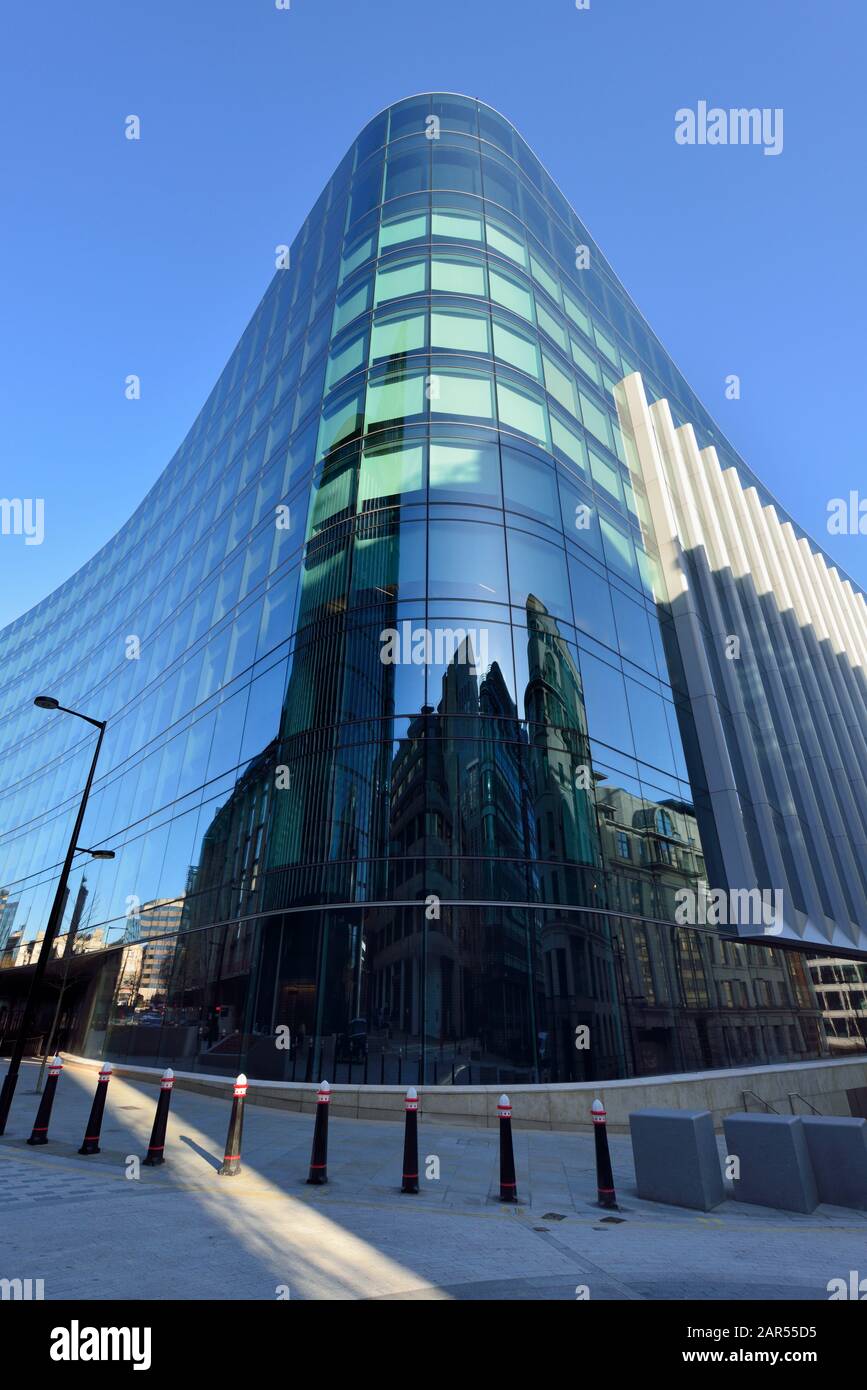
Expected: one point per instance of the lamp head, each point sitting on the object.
(46, 702)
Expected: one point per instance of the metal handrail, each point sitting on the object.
(796, 1095)
(765, 1103)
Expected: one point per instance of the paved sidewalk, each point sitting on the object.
(181, 1232)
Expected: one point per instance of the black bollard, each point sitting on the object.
(157, 1145)
(232, 1159)
(604, 1175)
(43, 1114)
(94, 1124)
(319, 1156)
(410, 1143)
(508, 1184)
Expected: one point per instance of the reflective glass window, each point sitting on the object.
(407, 277)
(454, 393)
(388, 473)
(457, 276)
(467, 560)
(530, 487)
(465, 471)
(463, 332)
(596, 420)
(561, 386)
(392, 336)
(591, 603)
(506, 244)
(458, 225)
(393, 397)
(399, 229)
(516, 348)
(522, 411)
(537, 569)
(511, 294)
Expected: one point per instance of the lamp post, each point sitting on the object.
(56, 914)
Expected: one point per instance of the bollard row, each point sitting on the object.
(318, 1170)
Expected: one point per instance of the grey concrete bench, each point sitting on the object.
(676, 1158)
(837, 1146)
(775, 1167)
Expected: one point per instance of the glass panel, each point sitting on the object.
(596, 421)
(506, 245)
(409, 277)
(576, 313)
(605, 699)
(569, 441)
(551, 326)
(513, 347)
(530, 487)
(520, 411)
(402, 229)
(354, 303)
(591, 603)
(587, 363)
(606, 476)
(467, 560)
(537, 570)
(392, 399)
(561, 386)
(619, 551)
(455, 224)
(511, 295)
(463, 332)
(457, 277)
(386, 473)
(465, 471)
(392, 337)
(451, 394)
(348, 359)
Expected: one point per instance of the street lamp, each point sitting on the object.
(56, 914)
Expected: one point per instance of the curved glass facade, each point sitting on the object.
(400, 772)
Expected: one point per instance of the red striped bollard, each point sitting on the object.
(410, 1143)
(319, 1156)
(43, 1114)
(157, 1145)
(604, 1175)
(94, 1124)
(508, 1184)
(232, 1159)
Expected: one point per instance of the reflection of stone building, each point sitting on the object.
(147, 964)
(841, 991)
(7, 917)
(696, 1000)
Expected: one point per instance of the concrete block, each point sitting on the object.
(775, 1167)
(837, 1146)
(676, 1158)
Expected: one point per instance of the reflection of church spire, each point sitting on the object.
(561, 774)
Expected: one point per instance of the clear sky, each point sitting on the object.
(120, 257)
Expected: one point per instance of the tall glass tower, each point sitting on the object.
(401, 770)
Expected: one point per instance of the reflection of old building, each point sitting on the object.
(696, 1000)
(8, 910)
(841, 991)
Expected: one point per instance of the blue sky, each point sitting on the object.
(149, 257)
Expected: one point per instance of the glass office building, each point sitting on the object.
(401, 769)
